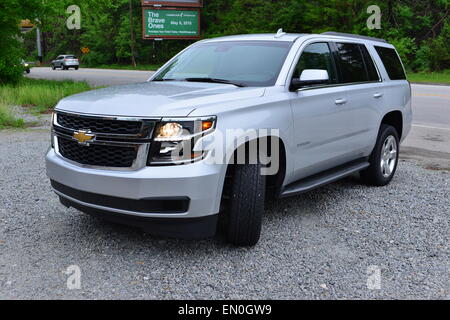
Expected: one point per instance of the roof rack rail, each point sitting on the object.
(332, 33)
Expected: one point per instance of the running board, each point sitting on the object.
(323, 178)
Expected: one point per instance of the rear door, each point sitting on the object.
(397, 88)
(365, 94)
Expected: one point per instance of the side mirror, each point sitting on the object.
(310, 77)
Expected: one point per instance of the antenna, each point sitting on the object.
(280, 33)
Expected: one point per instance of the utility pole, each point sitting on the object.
(38, 44)
(133, 59)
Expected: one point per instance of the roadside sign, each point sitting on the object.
(85, 50)
(173, 3)
(171, 23)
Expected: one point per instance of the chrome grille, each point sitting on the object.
(99, 125)
(118, 142)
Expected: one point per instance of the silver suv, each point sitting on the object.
(65, 62)
(228, 123)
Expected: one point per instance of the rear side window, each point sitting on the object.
(392, 63)
(370, 65)
(71, 57)
(351, 63)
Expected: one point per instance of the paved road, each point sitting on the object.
(95, 77)
(428, 141)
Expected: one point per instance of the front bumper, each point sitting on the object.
(189, 228)
(199, 184)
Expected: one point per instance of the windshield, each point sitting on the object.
(247, 63)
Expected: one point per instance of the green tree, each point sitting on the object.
(11, 48)
(419, 29)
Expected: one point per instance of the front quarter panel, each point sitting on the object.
(271, 111)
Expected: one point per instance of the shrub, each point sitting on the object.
(40, 93)
(7, 119)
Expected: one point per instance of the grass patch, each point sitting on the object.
(41, 95)
(431, 77)
(7, 119)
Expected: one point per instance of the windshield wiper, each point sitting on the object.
(214, 80)
(165, 80)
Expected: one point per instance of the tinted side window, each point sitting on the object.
(317, 56)
(370, 65)
(351, 63)
(392, 63)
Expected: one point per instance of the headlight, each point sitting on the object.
(52, 133)
(175, 140)
(26, 64)
(170, 130)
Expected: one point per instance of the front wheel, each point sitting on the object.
(247, 205)
(384, 158)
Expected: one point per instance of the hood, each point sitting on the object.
(155, 99)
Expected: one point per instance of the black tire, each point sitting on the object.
(244, 219)
(28, 70)
(63, 67)
(375, 175)
(76, 68)
(53, 67)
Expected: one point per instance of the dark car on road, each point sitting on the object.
(26, 66)
(65, 62)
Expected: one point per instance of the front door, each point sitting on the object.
(322, 119)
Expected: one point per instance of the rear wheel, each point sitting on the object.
(76, 68)
(246, 205)
(384, 158)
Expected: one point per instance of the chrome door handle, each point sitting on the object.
(377, 95)
(340, 102)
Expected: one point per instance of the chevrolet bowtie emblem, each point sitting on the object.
(83, 137)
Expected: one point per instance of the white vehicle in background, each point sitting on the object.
(65, 62)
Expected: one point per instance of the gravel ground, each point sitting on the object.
(315, 246)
